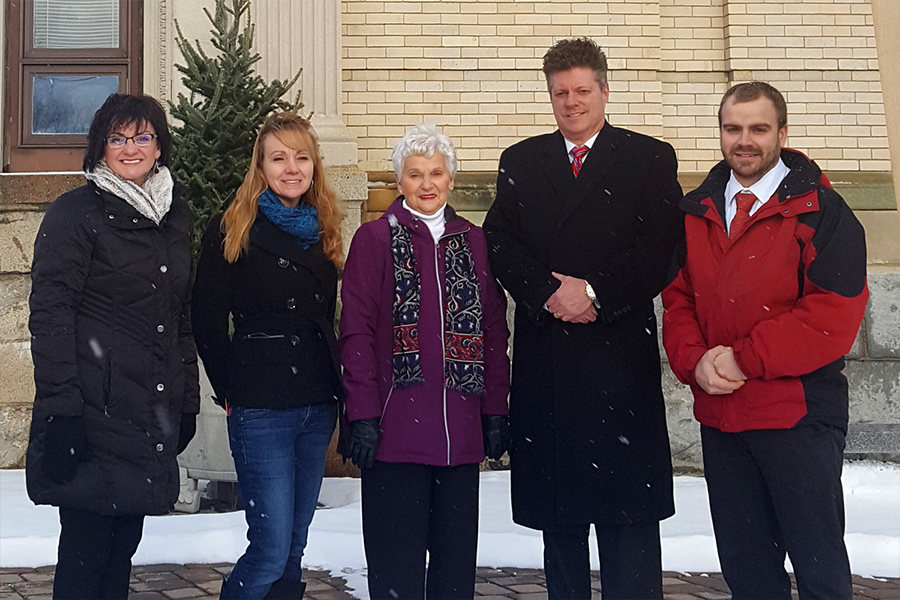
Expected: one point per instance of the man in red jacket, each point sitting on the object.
(769, 297)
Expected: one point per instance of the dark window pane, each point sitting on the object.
(61, 24)
(65, 104)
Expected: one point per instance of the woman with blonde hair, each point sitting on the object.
(270, 264)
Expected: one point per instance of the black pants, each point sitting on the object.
(630, 562)
(94, 559)
(409, 509)
(774, 491)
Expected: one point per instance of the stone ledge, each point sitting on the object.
(873, 438)
(24, 191)
(863, 190)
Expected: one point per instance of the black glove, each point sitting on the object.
(495, 429)
(186, 430)
(64, 448)
(364, 437)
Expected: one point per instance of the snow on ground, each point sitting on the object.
(28, 533)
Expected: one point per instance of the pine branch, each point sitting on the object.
(216, 126)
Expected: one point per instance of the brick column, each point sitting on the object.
(887, 35)
(307, 35)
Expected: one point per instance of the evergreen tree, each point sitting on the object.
(228, 103)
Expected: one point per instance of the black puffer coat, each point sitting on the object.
(281, 299)
(111, 341)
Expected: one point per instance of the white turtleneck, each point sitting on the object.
(435, 222)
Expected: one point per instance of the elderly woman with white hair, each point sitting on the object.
(424, 349)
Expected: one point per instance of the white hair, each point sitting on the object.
(423, 140)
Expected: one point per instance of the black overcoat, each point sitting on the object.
(282, 352)
(589, 432)
(111, 341)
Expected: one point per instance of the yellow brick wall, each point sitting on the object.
(473, 67)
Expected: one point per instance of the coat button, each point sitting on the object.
(319, 297)
(134, 220)
(283, 263)
(291, 304)
(160, 447)
(112, 216)
(160, 328)
(160, 387)
(318, 336)
(295, 340)
(163, 268)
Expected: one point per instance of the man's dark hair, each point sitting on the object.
(750, 91)
(119, 111)
(576, 52)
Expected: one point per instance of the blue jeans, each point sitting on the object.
(279, 456)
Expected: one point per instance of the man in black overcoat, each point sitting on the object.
(581, 234)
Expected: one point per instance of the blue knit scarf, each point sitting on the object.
(301, 222)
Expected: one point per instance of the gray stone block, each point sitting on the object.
(14, 291)
(684, 430)
(873, 438)
(17, 374)
(15, 420)
(883, 316)
(874, 391)
(18, 230)
(859, 344)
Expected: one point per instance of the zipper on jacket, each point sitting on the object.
(437, 273)
(108, 382)
(386, 402)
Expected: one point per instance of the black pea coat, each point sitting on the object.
(111, 342)
(281, 300)
(590, 443)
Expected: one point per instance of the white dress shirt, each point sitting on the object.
(589, 143)
(763, 189)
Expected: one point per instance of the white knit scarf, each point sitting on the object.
(152, 200)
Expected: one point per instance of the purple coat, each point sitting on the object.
(426, 423)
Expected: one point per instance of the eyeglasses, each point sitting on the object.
(119, 141)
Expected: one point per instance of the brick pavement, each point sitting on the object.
(177, 582)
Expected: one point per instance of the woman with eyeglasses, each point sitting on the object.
(115, 366)
(269, 266)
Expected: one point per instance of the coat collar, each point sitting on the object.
(804, 178)
(268, 236)
(575, 190)
(453, 222)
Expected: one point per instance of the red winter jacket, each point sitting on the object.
(788, 294)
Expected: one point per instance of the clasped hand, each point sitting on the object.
(570, 302)
(718, 373)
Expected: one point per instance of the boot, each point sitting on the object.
(286, 590)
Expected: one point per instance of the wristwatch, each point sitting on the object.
(590, 294)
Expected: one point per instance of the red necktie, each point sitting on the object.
(745, 201)
(578, 154)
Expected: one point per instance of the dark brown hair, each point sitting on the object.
(750, 91)
(121, 110)
(576, 52)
